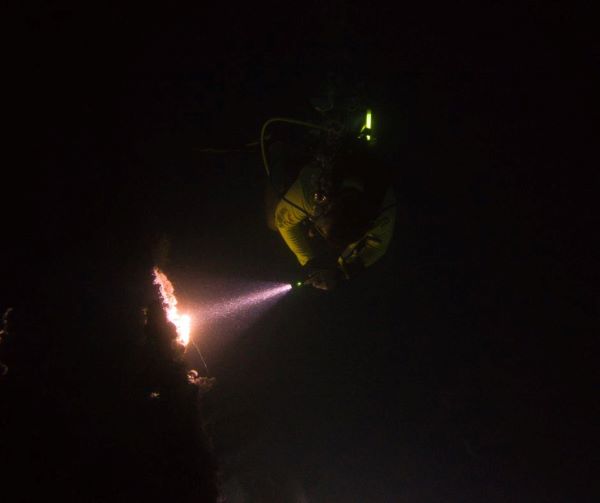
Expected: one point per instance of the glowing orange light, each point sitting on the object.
(182, 322)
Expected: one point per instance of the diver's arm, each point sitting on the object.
(376, 246)
(288, 219)
(380, 234)
(372, 247)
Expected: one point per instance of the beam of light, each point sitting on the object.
(182, 322)
(243, 302)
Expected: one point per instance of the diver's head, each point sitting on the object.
(346, 219)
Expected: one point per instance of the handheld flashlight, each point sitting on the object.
(297, 284)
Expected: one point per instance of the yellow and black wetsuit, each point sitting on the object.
(298, 205)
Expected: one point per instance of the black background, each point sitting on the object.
(460, 368)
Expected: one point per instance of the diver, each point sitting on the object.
(337, 216)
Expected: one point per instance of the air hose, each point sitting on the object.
(264, 154)
(287, 121)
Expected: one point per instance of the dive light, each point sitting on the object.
(297, 284)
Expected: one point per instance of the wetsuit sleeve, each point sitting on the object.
(378, 239)
(289, 217)
(374, 244)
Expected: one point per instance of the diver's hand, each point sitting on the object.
(323, 279)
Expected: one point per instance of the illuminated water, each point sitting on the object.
(238, 305)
